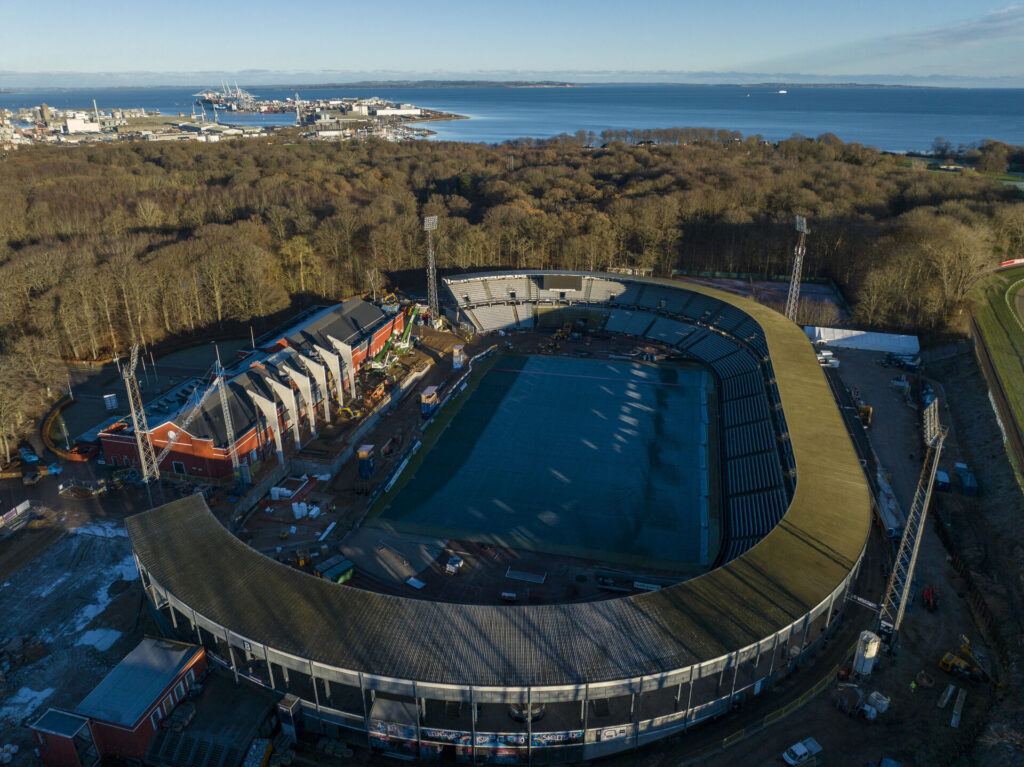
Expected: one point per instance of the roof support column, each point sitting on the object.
(306, 390)
(346, 356)
(419, 716)
(366, 713)
(287, 397)
(333, 362)
(689, 702)
(319, 374)
(529, 725)
(270, 670)
(269, 410)
(316, 693)
(775, 652)
(231, 656)
(472, 710)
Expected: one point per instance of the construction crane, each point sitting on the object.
(229, 429)
(148, 466)
(793, 299)
(894, 603)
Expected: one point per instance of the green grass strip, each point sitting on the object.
(996, 315)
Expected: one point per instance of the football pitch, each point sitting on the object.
(606, 460)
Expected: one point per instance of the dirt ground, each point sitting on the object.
(66, 618)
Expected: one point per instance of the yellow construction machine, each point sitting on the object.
(967, 663)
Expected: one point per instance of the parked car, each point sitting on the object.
(802, 752)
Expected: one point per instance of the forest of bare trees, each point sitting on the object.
(105, 245)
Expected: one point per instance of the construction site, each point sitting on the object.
(333, 446)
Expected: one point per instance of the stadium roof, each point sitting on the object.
(793, 569)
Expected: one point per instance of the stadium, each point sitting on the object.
(719, 456)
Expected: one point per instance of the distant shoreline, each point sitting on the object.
(470, 84)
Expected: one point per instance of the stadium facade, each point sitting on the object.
(273, 392)
(561, 682)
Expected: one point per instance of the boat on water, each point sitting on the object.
(783, 91)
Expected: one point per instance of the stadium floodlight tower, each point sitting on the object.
(793, 299)
(429, 225)
(894, 604)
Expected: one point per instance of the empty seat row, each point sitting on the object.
(729, 318)
(525, 312)
(750, 409)
(712, 347)
(742, 385)
(668, 331)
(603, 290)
(657, 297)
(470, 292)
(752, 472)
(503, 288)
(747, 439)
(755, 514)
(495, 317)
(734, 364)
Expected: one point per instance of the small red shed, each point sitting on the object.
(121, 715)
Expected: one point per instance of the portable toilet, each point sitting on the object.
(458, 358)
(367, 463)
(942, 481)
(428, 401)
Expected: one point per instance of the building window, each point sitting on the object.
(180, 691)
(177, 467)
(154, 718)
(191, 676)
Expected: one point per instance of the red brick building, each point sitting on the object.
(312, 362)
(122, 714)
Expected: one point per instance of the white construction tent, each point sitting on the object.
(845, 338)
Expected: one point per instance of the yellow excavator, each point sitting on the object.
(966, 663)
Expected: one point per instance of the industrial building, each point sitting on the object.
(275, 394)
(119, 718)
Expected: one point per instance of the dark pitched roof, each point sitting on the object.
(348, 322)
(134, 684)
(209, 423)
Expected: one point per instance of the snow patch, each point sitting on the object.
(101, 639)
(125, 569)
(102, 530)
(20, 705)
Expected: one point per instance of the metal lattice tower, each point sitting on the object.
(793, 299)
(148, 467)
(229, 429)
(894, 603)
(429, 225)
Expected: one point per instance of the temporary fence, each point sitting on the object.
(12, 516)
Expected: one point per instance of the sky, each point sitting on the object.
(596, 40)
